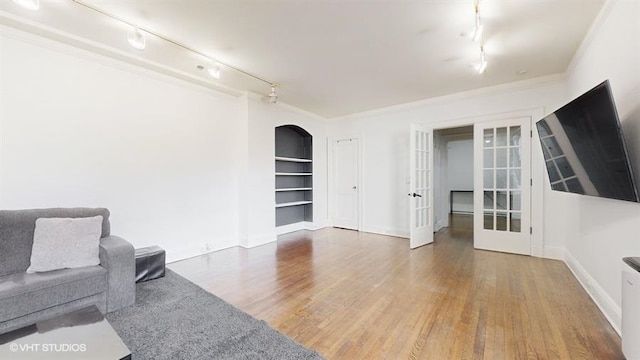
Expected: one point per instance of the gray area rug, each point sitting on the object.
(175, 319)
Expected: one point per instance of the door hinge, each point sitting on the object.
(530, 230)
(531, 182)
(531, 133)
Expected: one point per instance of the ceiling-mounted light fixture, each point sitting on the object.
(28, 4)
(136, 39)
(477, 31)
(273, 97)
(214, 71)
(482, 67)
(476, 34)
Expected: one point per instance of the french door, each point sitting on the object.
(502, 188)
(421, 186)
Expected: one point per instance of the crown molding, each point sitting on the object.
(490, 90)
(600, 19)
(255, 97)
(41, 32)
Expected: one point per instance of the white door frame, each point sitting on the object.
(537, 166)
(330, 183)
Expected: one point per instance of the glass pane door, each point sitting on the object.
(502, 185)
(502, 174)
(420, 190)
(422, 176)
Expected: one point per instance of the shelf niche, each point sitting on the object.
(294, 175)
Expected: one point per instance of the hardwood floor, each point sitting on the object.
(352, 295)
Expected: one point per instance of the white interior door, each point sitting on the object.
(502, 188)
(345, 202)
(421, 187)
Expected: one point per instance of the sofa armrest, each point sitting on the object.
(117, 256)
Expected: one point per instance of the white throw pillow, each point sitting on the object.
(60, 243)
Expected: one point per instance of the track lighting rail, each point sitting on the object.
(174, 42)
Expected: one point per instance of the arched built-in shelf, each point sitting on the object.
(294, 177)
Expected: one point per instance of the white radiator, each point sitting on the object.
(631, 308)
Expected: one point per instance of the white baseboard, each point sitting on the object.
(386, 231)
(553, 252)
(303, 225)
(603, 301)
(607, 306)
(183, 252)
(537, 251)
(257, 241)
(320, 227)
(174, 254)
(320, 224)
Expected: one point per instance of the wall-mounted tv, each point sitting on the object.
(584, 148)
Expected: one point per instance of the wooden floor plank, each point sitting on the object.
(353, 295)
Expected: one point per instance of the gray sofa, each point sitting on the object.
(26, 298)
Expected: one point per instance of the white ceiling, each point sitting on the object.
(336, 58)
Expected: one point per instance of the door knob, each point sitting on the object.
(415, 195)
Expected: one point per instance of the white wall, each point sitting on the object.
(460, 171)
(178, 165)
(386, 138)
(258, 208)
(600, 231)
(460, 163)
(79, 129)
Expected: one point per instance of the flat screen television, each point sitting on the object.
(584, 148)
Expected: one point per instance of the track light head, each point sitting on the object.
(476, 34)
(273, 97)
(482, 66)
(214, 72)
(136, 39)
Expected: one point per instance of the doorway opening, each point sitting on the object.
(504, 182)
(454, 181)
